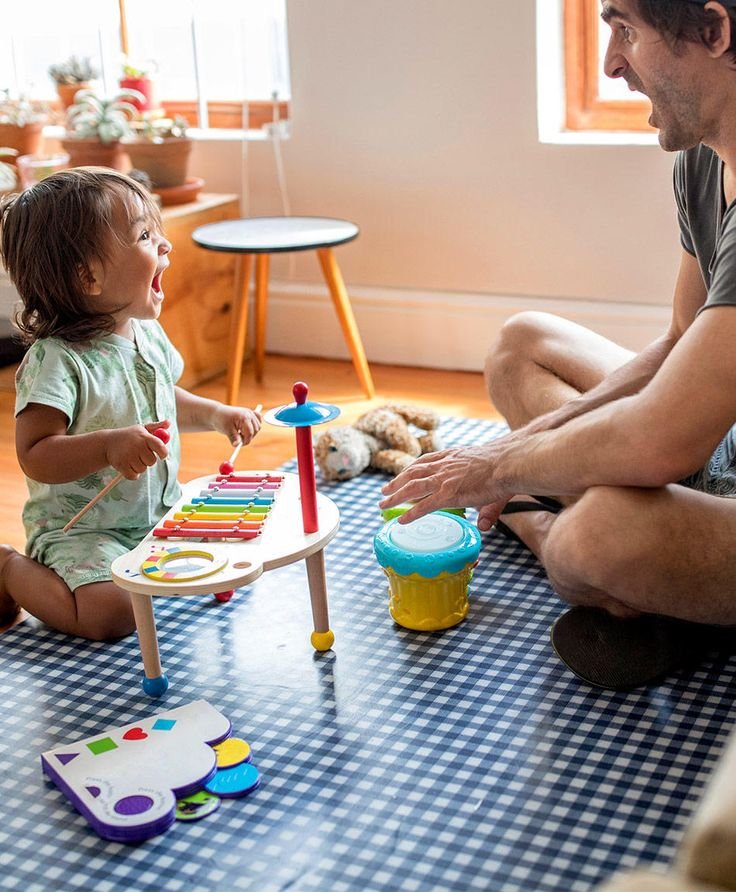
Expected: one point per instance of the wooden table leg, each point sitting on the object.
(155, 682)
(238, 328)
(262, 265)
(322, 637)
(340, 299)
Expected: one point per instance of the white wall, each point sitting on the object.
(417, 120)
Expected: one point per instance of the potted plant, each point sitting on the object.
(160, 148)
(8, 173)
(21, 123)
(94, 127)
(72, 76)
(138, 77)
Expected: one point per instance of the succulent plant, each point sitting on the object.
(76, 70)
(105, 119)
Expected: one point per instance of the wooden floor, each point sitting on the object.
(460, 394)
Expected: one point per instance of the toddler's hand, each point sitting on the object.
(238, 424)
(132, 450)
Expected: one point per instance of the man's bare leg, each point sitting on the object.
(539, 362)
(665, 551)
(100, 611)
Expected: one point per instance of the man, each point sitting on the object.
(639, 450)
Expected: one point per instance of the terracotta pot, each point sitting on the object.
(26, 140)
(67, 92)
(165, 162)
(145, 86)
(93, 153)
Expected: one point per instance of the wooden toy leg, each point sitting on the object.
(322, 637)
(155, 682)
(262, 265)
(238, 328)
(340, 299)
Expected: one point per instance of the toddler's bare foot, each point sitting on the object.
(9, 610)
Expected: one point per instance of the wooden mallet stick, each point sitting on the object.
(162, 434)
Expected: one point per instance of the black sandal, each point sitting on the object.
(535, 503)
(620, 654)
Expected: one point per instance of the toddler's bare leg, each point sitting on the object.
(99, 611)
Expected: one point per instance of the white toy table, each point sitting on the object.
(174, 567)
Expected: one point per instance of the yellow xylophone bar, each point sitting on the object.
(255, 517)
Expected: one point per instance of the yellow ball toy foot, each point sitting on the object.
(323, 640)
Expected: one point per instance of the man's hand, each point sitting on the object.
(454, 478)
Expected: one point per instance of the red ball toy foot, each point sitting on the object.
(223, 597)
(226, 468)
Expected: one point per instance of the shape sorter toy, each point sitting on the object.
(132, 782)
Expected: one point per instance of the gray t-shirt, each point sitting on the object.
(707, 226)
(708, 232)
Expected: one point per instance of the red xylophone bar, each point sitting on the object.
(202, 533)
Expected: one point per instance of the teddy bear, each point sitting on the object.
(381, 438)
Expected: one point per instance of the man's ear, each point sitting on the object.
(717, 35)
(91, 275)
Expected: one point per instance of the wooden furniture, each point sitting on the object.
(198, 287)
(260, 237)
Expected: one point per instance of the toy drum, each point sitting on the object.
(429, 563)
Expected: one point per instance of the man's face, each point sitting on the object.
(653, 66)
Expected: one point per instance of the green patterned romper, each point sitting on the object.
(110, 383)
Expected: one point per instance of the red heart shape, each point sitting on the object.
(135, 734)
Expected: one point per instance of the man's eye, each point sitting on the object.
(627, 33)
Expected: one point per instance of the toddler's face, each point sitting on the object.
(130, 275)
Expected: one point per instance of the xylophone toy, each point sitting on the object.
(225, 531)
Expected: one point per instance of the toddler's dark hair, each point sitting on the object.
(50, 233)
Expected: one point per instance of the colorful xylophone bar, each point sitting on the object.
(240, 515)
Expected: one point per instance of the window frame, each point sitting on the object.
(584, 107)
(221, 115)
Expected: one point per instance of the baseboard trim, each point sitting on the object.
(450, 330)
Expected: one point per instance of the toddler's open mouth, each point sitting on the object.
(156, 284)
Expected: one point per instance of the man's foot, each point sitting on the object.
(9, 609)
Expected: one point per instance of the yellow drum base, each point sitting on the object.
(428, 605)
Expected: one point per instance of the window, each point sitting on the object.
(594, 101)
(220, 63)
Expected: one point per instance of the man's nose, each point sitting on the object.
(614, 64)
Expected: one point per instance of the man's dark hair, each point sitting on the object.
(682, 21)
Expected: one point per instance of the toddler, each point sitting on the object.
(86, 251)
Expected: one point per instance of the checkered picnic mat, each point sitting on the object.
(466, 759)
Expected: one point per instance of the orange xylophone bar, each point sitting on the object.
(209, 524)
